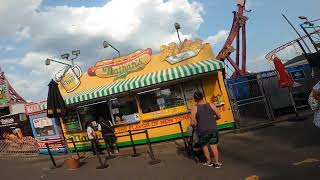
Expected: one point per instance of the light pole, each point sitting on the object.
(297, 33)
(311, 25)
(106, 44)
(177, 27)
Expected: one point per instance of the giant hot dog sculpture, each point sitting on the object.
(122, 66)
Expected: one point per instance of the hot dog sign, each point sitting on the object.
(122, 66)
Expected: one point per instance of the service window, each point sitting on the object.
(124, 110)
(160, 99)
(189, 88)
(86, 115)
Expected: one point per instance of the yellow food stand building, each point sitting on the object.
(143, 90)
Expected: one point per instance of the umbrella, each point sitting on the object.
(284, 79)
(56, 106)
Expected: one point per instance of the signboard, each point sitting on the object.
(156, 123)
(9, 121)
(70, 79)
(297, 74)
(4, 93)
(34, 108)
(188, 49)
(122, 66)
(268, 74)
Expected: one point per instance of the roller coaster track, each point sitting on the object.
(239, 21)
(14, 96)
(278, 49)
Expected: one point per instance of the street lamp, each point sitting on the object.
(48, 61)
(177, 27)
(76, 54)
(106, 44)
(65, 56)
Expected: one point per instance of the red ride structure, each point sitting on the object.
(14, 96)
(238, 25)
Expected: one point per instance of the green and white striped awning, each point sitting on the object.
(146, 80)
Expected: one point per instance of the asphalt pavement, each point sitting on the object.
(287, 150)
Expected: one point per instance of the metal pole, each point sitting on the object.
(50, 154)
(153, 159)
(293, 103)
(115, 49)
(135, 154)
(75, 147)
(60, 62)
(306, 56)
(244, 49)
(296, 32)
(178, 36)
(311, 40)
(182, 135)
(102, 166)
(238, 49)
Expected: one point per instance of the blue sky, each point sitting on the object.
(38, 29)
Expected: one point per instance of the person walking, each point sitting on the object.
(105, 127)
(314, 102)
(203, 117)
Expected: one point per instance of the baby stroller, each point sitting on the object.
(194, 149)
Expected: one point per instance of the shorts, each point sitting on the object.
(211, 138)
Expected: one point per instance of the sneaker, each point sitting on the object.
(217, 165)
(208, 164)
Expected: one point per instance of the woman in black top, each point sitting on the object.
(203, 117)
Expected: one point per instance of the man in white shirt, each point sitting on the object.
(92, 137)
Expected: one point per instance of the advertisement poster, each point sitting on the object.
(45, 130)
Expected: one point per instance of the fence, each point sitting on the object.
(249, 101)
(19, 146)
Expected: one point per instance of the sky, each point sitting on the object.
(33, 30)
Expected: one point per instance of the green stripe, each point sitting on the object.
(156, 77)
(184, 68)
(192, 72)
(178, 72)
(162, 76)
(167, 74)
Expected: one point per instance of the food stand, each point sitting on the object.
(143, 90)
(44, 129)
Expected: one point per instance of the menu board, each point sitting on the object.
(72, 122)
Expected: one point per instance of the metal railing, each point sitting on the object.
(19, 146)
(130, 133)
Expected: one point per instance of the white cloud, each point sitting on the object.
(258, 63)
(7, 48)
(220, 37)
(127, 24)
